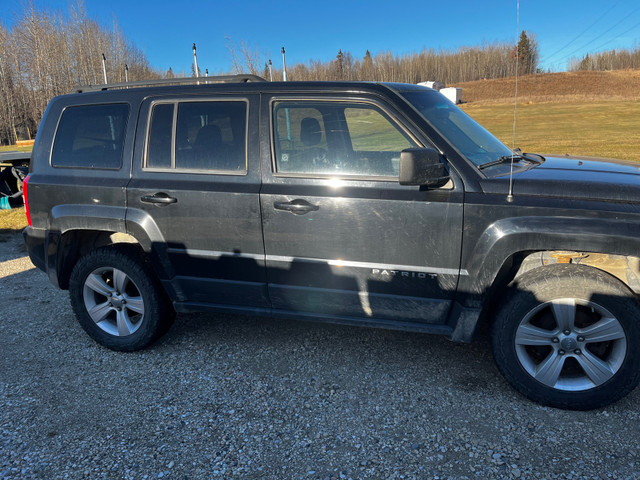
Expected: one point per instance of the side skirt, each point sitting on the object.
(190, 307)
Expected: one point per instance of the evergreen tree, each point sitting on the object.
(367, 67)
(527, 54)
(340, 65)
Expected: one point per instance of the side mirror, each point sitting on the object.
(422, 166)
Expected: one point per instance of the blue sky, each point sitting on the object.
(316, 30)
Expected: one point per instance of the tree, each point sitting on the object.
(367, 67)
(527, 51)
(47, 53)
(340, 65)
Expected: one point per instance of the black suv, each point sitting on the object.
(372, 204)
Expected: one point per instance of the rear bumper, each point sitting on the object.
(36, 240)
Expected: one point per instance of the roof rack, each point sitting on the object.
(244, 78)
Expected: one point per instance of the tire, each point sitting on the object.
(118, 300)
(567, 336)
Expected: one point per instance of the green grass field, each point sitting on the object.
(13, 148)
(593, 128)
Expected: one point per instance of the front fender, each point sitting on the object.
(505, 238)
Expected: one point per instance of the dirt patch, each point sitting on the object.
(550, 87)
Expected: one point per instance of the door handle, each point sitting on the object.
(297, 206)
(159, 198)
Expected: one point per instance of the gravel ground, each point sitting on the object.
(245, 397)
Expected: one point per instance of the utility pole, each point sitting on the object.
(104, 68)
(284, 67)
(270, 71)
(126, 73)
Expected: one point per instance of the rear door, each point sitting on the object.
(194, 193)
(342, 236)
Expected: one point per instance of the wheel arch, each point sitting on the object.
(75, 243)
(510, 247)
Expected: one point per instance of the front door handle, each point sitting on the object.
(297, 206)
(159, 198)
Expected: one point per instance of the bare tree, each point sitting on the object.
(244, 58)
(47, 53)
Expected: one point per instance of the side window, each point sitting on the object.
(337, 138)
(208, 136)
(370, 131)
(159, 147)
(91, 136)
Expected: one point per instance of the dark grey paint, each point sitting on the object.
(223, 245)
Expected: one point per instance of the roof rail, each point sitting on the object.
(243, 78)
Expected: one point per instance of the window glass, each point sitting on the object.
(90, 136)
(211, 136)
(370, 131)
(159, 147)
(337, 138)
(469, 137)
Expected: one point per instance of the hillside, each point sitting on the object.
(555, 87)
(575, 113)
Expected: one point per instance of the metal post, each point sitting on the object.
(284, 67)
(195, 61)
(104, 68)
(286, 110)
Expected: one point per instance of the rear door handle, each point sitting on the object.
(297, 206)
(159, 198)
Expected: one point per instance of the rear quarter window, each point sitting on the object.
(91, 136)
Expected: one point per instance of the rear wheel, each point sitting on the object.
(118, 300)
(567, 336)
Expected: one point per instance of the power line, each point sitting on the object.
(600, 36)
(615, 38)
(598, 18)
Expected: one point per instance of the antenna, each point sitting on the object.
(515, 105)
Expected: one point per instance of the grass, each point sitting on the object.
(577, 113)
(599, 128)
(12, 221)
(14, 148)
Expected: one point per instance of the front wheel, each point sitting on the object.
(567, 336)
(117, 299)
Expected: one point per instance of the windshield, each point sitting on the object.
(470, 138)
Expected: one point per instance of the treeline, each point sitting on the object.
(609, 60)
(448, 66)
(45, 54)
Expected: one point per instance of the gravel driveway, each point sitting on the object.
(225, 396)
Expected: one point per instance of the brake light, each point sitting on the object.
(26, 201)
